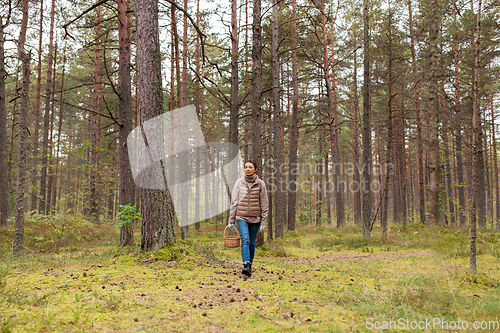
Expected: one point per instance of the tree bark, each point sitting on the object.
(278, 176)
(421, 193)
(390, 137)
(356, 176)
(34, 171)
(61, 113)
(94, 127)
(476, 123)
(49, 205)
(495, 158)
(197, 103)
(25, 58)
(292, 159)
(156, 205)
(4, 167)
(234, 107)
(458, 134)
(434, 163)
(125, 118)
(46, 123)
(333, 123)
(256, 85)
(367, 156)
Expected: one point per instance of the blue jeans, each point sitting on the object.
(248, 234)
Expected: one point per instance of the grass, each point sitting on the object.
(316, 279)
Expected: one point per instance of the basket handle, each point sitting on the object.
(227, 226)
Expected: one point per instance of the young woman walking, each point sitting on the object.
(249, 207)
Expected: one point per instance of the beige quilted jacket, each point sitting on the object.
(249, 200)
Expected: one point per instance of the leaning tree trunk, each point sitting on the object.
(157, 210)
(18, 244)
(125, 117)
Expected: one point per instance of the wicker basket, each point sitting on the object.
(231, 241)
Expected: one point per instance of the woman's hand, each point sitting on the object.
(262, 227)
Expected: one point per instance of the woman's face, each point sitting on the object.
(249, 169)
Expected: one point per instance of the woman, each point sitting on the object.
(249, 207)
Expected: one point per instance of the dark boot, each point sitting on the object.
(246, 269)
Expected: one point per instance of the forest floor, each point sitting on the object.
(74, 277)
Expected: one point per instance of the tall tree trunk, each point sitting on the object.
(357, 180)
(434, 163)
(50, 208)
(421, 194)
(4, 167)
(234, 107)
(24, 56)
(94, 127)
(390, 137)
(278, 177)
(481, 193)
(185, 156)
(272, 182)
(476, 123)
(46, 123)
(61, 112)
(292, 158)
(319, 170)
(197, 103)
(451, 205)
(367, 156)
(256, 85)
(333, 122)
(495, 158)
(156, 205)
(125, 118)
(458, 135)
(402, 165)
(34, 171)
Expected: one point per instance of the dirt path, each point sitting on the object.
(329, 258)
